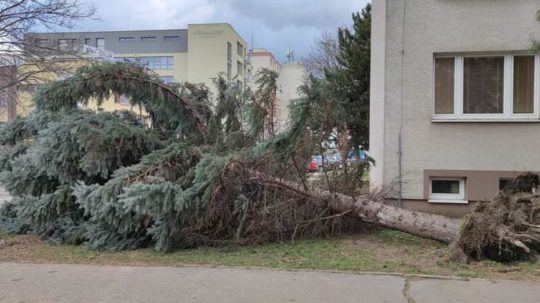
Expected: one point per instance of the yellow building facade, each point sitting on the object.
(196, 55)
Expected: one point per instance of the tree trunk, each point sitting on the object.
(425, 225)
(507, 228)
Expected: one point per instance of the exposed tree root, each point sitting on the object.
(507, 228)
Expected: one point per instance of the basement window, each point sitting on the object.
(487, 88)
(447, 190)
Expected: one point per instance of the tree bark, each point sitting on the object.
(425, 225)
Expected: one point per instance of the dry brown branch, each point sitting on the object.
(323, 55)
(369, 210)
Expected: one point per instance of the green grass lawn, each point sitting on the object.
(381, 251)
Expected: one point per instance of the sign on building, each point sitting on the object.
(97, 53)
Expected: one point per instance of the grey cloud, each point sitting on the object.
(275, 25)
(278, 14)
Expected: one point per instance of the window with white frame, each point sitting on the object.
(447, 190)
(489, 87)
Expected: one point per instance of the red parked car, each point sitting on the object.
(313, 166)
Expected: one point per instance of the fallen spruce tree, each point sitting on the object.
(507, 228)
(202, 175)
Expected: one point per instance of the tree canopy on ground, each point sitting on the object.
(186, 179)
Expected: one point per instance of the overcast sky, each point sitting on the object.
(275, 24)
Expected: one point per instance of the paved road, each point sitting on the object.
(84, 283)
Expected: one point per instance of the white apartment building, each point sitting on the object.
(291, 77)
(455, 99)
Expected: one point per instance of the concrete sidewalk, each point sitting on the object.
(86, 283)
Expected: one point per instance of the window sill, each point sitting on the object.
(448, 201)
(456, 119)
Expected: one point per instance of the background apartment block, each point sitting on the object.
(196, 54)
(455, 99)
(291, 77)
(260, 58)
